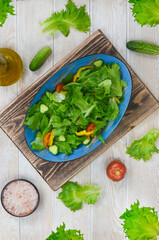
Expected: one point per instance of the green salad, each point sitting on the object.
(78, 110)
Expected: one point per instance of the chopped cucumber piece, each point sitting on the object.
(86, 141)
(98, 63)
(53, 149)
(38, 134)
(43, 108)
(62, 138)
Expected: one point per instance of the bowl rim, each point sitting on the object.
(25, 180)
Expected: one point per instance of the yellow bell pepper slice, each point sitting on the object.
(76, 76)
(84, 133)
(117, 100)
(51, 139)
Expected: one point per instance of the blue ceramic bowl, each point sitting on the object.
(50, 86)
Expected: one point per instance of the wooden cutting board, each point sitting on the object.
(141, 105)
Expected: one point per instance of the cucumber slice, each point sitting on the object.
(62, 138)
(98, 63)
(38, 134)
(43, 108)
(86, 141)
(40, 58)
(53, 149)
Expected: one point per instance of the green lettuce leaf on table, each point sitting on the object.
(62, 234)
(73, 195)
(146, 12)
(73, 16)
(5, 9)
(140, 223)
(144, 147)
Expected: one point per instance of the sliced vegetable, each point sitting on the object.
(86, 141)
(140, 223)
(91, 128)
(98, 63)
(117, 100)
(76, 76)
(40, 58)
(62, 138)
(116, 171)
(144, 147)
(62, 234)
(146, 12)
(53, 149)
(60, 87)
(74, 17)
(43, 108)
(48, 139)
(143, 47)
(58, 97)
(73, 195)
(84, 133)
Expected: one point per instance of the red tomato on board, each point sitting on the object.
(116, 171)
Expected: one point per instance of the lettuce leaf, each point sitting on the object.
(74, 17)
(62, 234)
(140, 223)
(73, 195)
(38, 143)
(146, 12)
(5, 8)
(144, 147)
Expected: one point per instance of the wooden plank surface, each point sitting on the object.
(113, 193)
(8, 166)
(142, 103)
(22, 32)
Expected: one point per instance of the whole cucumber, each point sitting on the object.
(40, 58)
(143, 47)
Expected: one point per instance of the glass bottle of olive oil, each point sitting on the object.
(11, 67)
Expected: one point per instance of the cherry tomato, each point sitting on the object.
(91, 128)
(48, 140)
(116, 171)
(60, 87)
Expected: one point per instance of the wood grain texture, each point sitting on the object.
(114, 195)
(29, 41)
(142, 104)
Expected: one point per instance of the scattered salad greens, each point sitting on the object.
(144, 147)
(62, 234)
(146, 12)
(140, 223)
(5, 9)
(78, 110)
(74, 17)
(73, 195)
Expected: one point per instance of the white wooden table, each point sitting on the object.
(100, 222)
